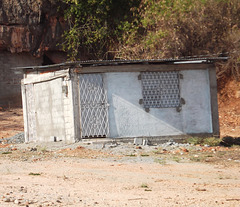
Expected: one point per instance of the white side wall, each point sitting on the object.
(127, 118)
(68, 111)
(49, 110)
(196, 113)
(53, 107)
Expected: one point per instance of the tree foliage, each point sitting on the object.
(145, 29)
(183, 28)
(96, 26)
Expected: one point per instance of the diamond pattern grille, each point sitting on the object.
(94, 106)
(160, 89)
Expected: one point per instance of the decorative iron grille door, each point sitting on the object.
(94, 106)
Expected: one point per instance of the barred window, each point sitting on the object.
(160, 89)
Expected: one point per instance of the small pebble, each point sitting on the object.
(16, 201)
(12, 199)
(6, 199)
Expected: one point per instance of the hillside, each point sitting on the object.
(229, 109)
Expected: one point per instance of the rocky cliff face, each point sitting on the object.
(29, 33)
(33, 26)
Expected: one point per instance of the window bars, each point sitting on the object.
(94, 106)
(160, 89)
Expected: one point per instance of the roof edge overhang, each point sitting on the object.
(95, 63)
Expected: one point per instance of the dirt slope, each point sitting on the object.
(229, 109)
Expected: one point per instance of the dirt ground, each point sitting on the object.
(11, 122)
(84, 174)
(87, 174)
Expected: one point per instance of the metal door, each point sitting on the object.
(94, 106)
(31, 118)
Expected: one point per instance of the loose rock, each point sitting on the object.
(6, 200)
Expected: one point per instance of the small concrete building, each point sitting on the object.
(120, 99)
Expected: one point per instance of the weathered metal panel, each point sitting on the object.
(160, 89)
(94, 106)
(36, 77)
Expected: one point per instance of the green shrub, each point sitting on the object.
(211, 141)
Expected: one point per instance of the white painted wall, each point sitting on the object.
(196, 113)
(49, 110)
(53, 108)
(68, 111)
(127, 118)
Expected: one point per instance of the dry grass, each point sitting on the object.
(186, 28)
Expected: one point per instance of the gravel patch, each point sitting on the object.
(16, 139)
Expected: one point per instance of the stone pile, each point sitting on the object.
(16, 139)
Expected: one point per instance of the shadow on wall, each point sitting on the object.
(132, 120)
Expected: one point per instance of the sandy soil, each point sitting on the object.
(11, 122)
(54, 179)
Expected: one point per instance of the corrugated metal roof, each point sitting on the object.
(87, 63)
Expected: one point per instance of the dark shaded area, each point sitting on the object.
(228, 141)
(47, 60)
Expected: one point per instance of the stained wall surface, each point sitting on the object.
(128, 118)
(49, 110)
(10, 82)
